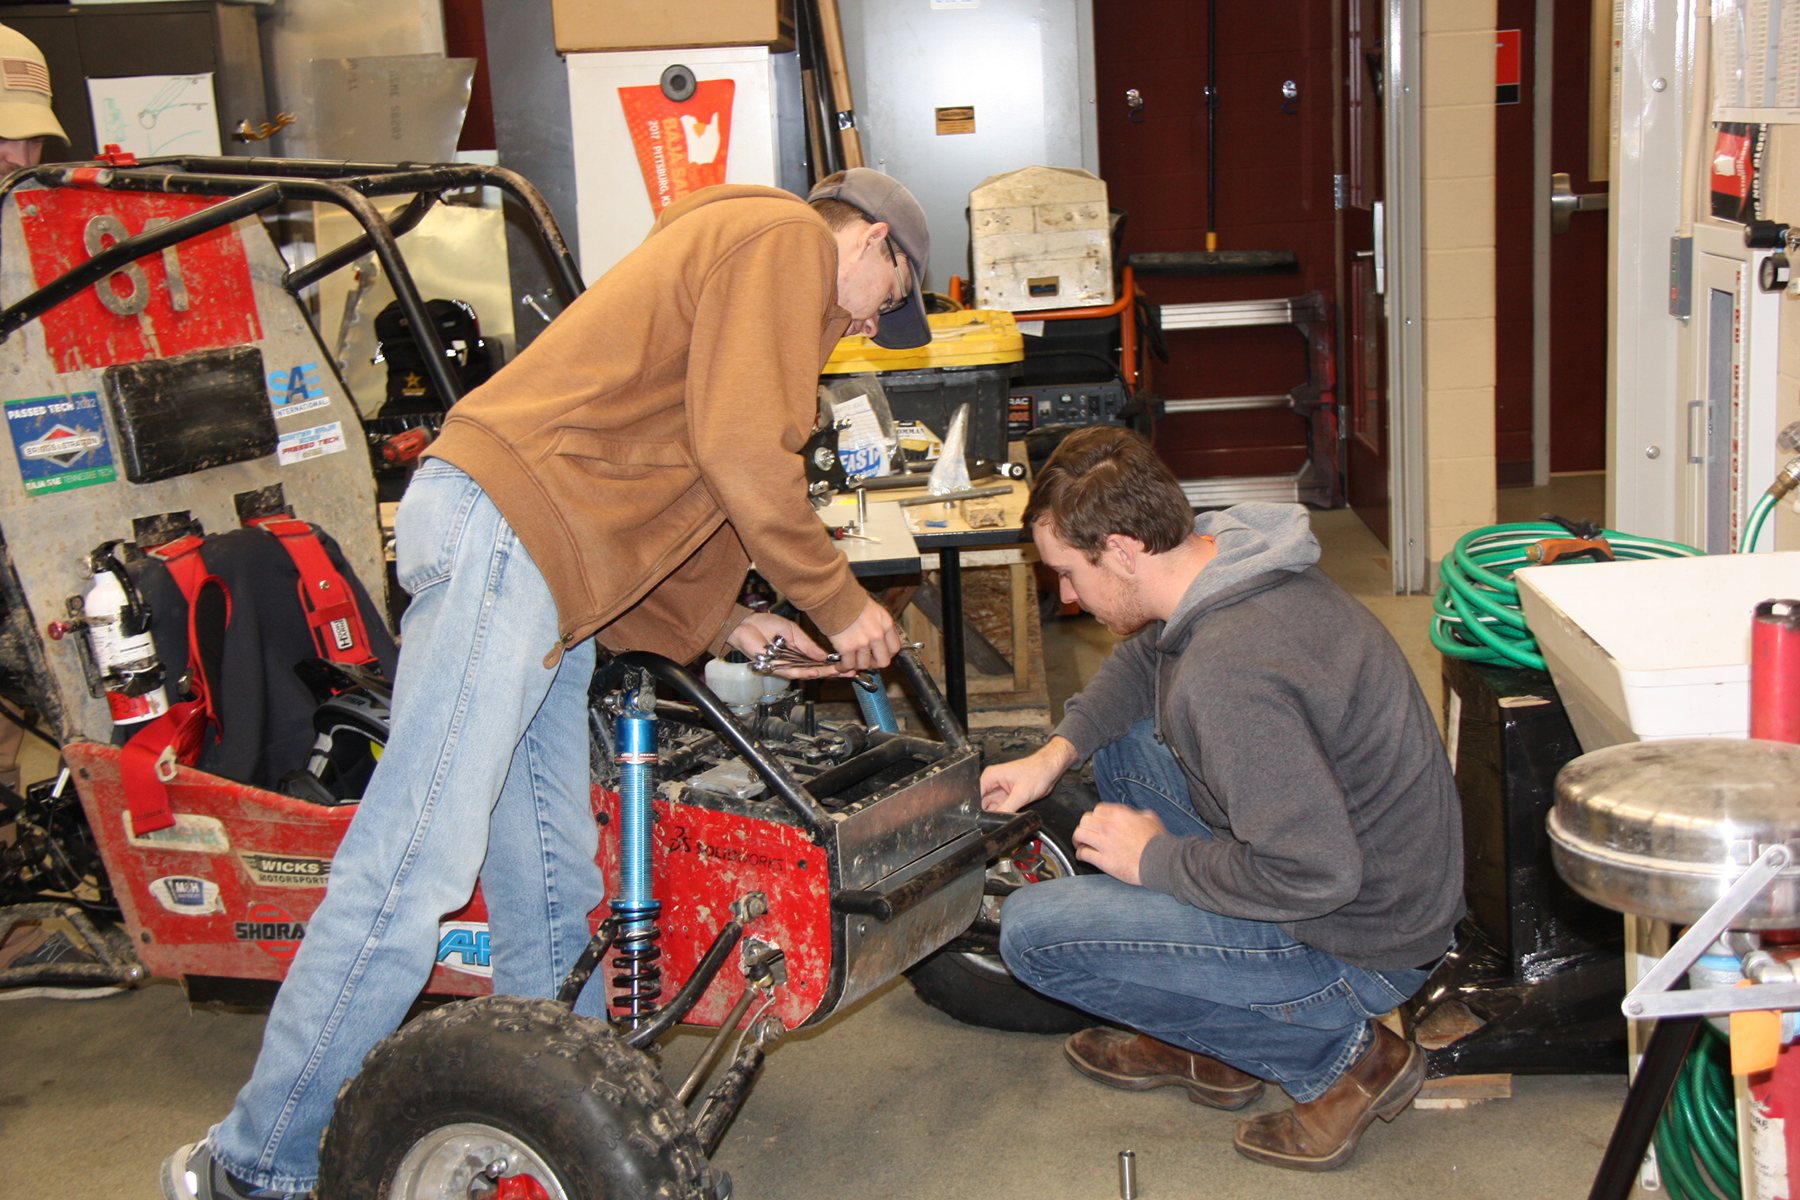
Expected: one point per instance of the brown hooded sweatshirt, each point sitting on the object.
(645, 446)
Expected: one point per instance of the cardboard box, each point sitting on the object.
(671, 24)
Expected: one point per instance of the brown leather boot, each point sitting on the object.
(1138, 1062)
(1323, 1134)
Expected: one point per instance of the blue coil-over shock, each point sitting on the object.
(871, 695)
(638, 982)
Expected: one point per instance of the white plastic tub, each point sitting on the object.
(1655, 649)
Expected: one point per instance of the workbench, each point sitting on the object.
(928, 539)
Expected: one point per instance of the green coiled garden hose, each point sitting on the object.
(1476, 614)
(1696, 1138)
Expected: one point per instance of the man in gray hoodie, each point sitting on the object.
(1280, 838)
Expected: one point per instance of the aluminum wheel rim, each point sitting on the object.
(446, 1163)
(1054, 864)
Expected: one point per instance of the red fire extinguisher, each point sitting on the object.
(117, 624)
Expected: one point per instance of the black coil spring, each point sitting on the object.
(638, 982)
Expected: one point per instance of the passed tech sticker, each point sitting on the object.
(189, 895)
(60, 442)
(463, 947)
(202, 835)
(316, 442)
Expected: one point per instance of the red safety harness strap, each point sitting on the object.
(330, 605)
(147, 762)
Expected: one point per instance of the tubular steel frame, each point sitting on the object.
(255, 185)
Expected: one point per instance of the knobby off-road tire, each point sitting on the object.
(556, 1093)
(973, 984)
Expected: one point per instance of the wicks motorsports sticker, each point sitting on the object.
(61, 442)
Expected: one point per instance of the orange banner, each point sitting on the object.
(681, 148)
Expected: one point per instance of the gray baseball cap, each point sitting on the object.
(884, 199)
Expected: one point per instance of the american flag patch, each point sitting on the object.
(21, 74)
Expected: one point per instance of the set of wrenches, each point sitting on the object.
(780, 653)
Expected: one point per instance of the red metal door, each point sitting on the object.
(1575, 322)
(1578, 286)
(1366, 437)
(1274, 191)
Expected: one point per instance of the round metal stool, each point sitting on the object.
(1697, 831)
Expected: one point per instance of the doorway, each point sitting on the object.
(1550, 263)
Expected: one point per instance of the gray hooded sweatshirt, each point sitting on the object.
(1307, 745)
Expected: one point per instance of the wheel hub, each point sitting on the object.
(472, 1161)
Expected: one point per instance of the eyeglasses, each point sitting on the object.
(895, 303)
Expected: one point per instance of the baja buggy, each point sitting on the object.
(167, 393)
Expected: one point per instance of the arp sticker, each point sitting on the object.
(61, 442)
(272, 929)
(189, 895)
(316, 442)
(296, 391)
(202, 835)
(463, 947)
(285, 870)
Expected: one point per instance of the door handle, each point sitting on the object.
(1564, 203)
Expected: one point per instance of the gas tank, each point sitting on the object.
(1661, 829)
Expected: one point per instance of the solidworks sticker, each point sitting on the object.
(188, 895)
(284, 870)
(275, 931)
(463, 947)
(203, 835)
(316, 442)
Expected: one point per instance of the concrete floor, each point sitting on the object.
(891, 1099)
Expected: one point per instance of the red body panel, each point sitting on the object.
(219, 308)
(702, 861)
(228, 891)
(222, 892)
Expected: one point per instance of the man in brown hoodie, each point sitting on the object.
(612, 484)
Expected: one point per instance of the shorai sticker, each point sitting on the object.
(60, 442)
(463, 947)
(275, 931)
(188, 895)
(316, 442)
(203, 835)
(284, 870)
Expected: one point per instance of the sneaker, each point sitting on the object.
(191, 1174)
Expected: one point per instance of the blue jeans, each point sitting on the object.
(1243, 992)
(485, 775)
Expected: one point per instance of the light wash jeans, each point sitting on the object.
(485, 774)
(1240, 991)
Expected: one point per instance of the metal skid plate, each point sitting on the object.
(217, 292)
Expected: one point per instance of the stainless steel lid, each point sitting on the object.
(1661, 829)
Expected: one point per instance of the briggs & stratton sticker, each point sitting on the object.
(463, 947)
(275, 931)
(296, 391)
(194, 296)
(316, 442)
(61, 442)
(202, 835)
(284, 870)
(188, 895)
